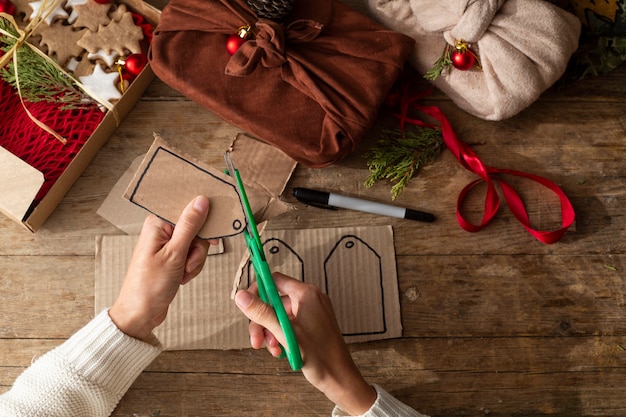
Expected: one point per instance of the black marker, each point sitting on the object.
(331, 200)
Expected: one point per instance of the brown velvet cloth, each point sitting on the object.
(311, 86)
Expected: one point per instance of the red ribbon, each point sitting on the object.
(470, 161)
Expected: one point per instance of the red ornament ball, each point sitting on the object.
(102, 1)
(135, 63)
(233, 43)
(463, 60)
(7, 7)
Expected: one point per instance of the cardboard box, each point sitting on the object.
(19, 182)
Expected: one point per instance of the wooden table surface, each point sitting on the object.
(495, 323)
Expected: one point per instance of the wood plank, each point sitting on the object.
(506, 295)
(480, 296)
(45, 296)
(499, 376)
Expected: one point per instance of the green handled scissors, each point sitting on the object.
(265, 282)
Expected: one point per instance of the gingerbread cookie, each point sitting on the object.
(122, 36)
(88, 38)
(23, 11)
(91, 15)
(60, 41)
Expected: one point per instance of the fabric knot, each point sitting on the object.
(271, 40)
(476, 18)
(269, 46)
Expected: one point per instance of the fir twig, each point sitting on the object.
(39, 79)
(442, 64)
(398, 158)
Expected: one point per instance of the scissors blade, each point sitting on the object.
(243, 198)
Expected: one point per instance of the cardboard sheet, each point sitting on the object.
(355, 266)
(120, 212)
(164, 180)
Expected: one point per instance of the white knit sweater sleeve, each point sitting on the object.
(384, 406)
(85, 376)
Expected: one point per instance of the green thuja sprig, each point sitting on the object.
(399, 158)
(442, 64)
(39, 79)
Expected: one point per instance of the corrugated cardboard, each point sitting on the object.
(14, 200)
(355, 266)
(120, 212)
(166, 180)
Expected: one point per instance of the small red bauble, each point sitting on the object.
(135, 63)
(236, 40)
(7, 7)
(233, 43)
(463, 60)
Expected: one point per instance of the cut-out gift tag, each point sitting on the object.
(167, 180)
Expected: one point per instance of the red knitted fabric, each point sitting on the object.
(20, 136)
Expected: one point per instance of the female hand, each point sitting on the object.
(327, 363)
(164, 258)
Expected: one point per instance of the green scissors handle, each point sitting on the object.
(269, 294)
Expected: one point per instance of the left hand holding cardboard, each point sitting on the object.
(164, 258)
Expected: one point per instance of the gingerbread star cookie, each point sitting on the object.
(119, 12)
(71, 4)
(60, 40)
(123, 37)
(91, 15)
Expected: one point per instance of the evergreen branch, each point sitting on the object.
(398, 159)
(442, 64)
(39, 79)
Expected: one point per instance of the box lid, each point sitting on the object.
(19, 186)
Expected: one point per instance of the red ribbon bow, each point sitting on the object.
(470, 161)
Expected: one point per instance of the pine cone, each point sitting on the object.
(271, 9)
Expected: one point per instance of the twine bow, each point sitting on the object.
(21, 40)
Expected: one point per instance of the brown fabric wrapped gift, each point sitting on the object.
(310, 86)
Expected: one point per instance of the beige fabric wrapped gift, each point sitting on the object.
(523, 46)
